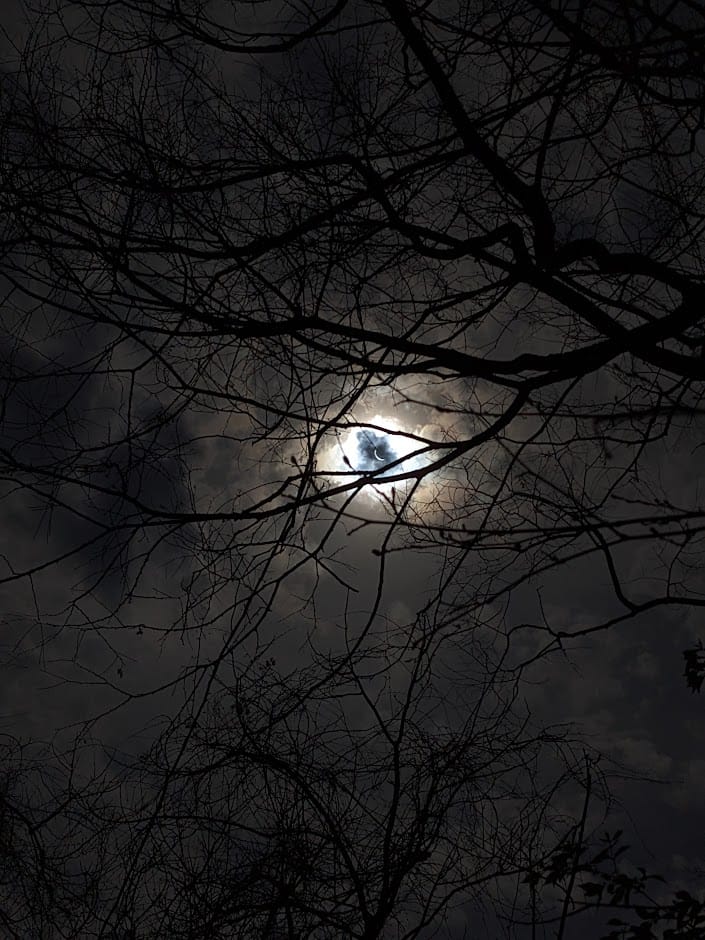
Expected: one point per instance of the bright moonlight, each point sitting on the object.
(378, 449)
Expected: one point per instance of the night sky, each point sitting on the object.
(351, 460)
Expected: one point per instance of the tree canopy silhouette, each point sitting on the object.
(232, 235)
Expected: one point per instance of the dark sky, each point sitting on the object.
(215, 618)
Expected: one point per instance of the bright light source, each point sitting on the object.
(378, 448)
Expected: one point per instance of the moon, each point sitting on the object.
(374, 451)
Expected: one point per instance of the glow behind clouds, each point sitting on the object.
(368, 448)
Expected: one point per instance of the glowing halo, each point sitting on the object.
(373, 450)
